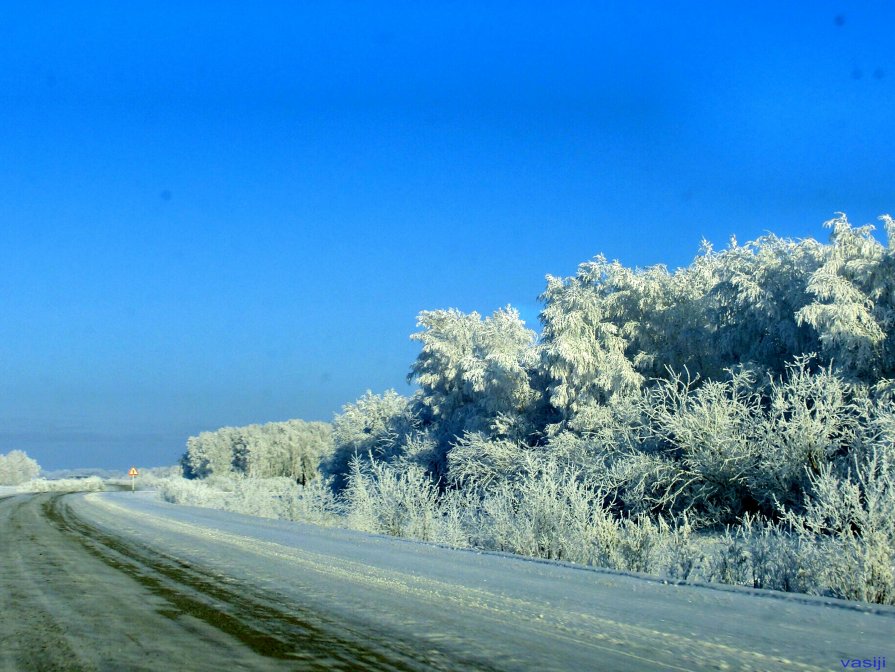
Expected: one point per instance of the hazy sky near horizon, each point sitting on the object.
(223, 213)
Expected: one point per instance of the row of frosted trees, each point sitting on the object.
(719, 389)
(291, 449)
(752, 390)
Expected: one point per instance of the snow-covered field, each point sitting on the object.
(503, 611)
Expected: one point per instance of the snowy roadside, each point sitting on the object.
(499, 607)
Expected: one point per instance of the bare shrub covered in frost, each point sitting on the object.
(842, 543)
(851, 522)
(758, 554)
(709, 432)
(541, 510)
(478, 462)
(89, 484)
(156, 477)
(382, 499)
(721, 450)
(280, 498)
(192, 492)
(547, 512)
(813, 419)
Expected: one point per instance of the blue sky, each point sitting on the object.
(222, 213)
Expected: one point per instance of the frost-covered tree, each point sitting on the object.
(291, 449)
(16, 467)
(375, 425)
(214, 452)
(854, 301)
(609, 328)
(759, 289)
(476, 374)
(582, 348)
(662, 315)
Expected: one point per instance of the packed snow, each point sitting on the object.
(521, 613)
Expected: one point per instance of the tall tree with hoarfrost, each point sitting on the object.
(582, 347)
(476, 374)
(854, 301)
(759, 289)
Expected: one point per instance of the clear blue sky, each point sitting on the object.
(225, 212)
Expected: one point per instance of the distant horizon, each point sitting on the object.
(233, 215)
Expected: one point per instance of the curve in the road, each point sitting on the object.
(77, 598)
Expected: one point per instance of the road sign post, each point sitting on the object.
(133, 473)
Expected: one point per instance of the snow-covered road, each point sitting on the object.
(277, 595)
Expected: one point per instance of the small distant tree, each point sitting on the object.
(16, 467)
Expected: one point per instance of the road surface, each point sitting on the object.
(120, 581)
